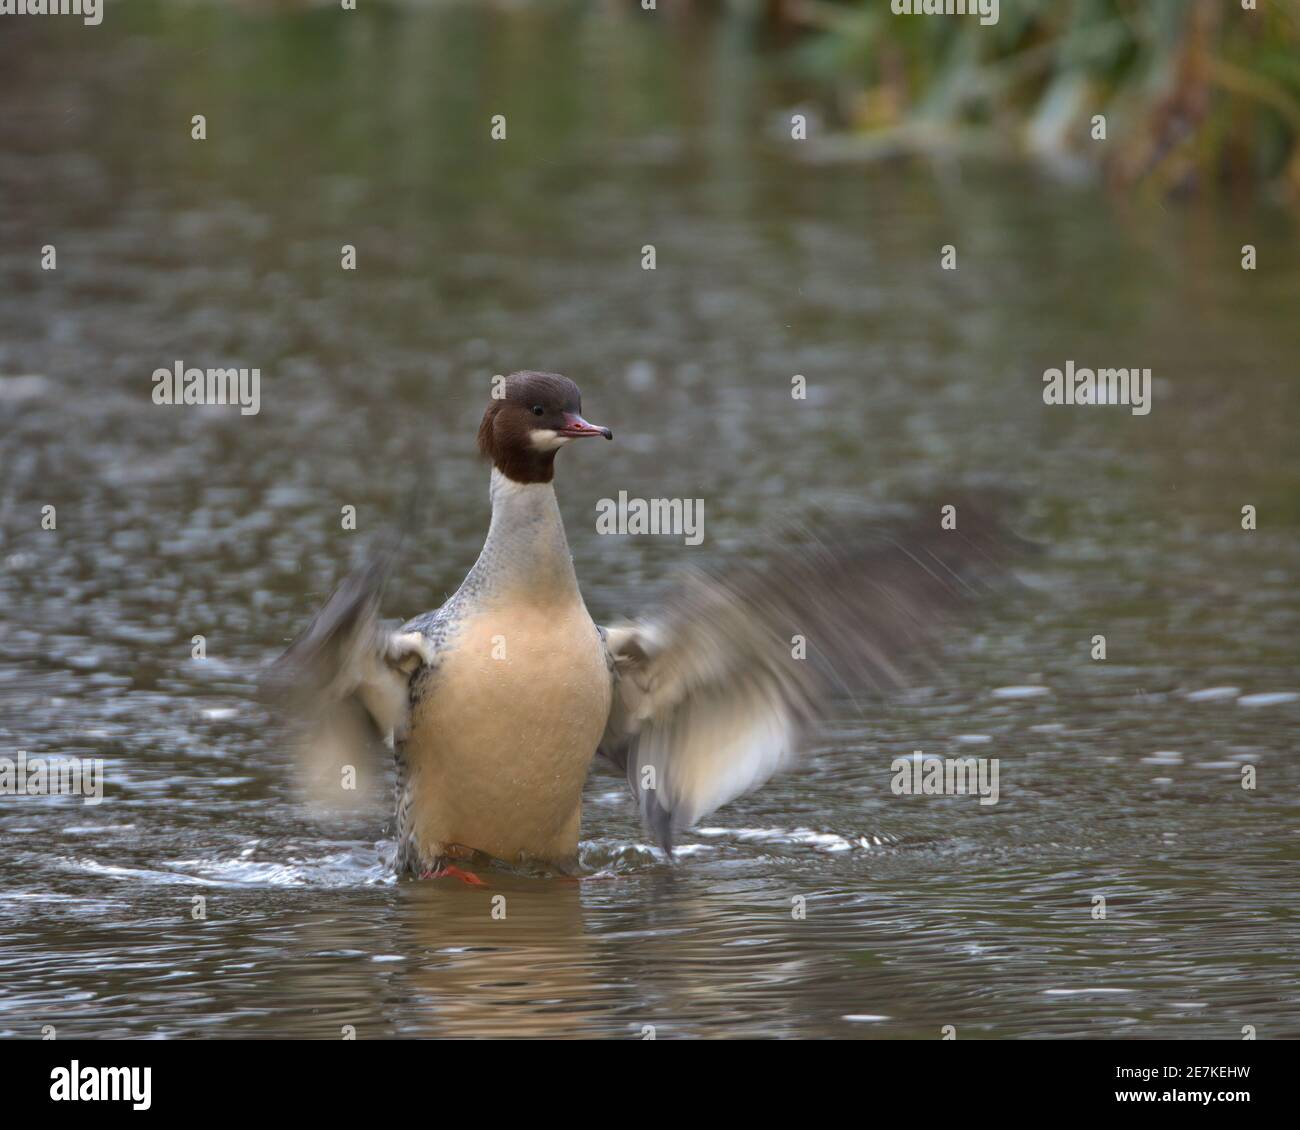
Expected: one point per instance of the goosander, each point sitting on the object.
(496, 703)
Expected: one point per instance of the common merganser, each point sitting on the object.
(496, 703)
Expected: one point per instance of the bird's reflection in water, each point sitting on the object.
(513, 958)
(560, 959)
(568, 957)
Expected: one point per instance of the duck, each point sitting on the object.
(496, 704)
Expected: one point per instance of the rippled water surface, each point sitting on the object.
(1119, 778)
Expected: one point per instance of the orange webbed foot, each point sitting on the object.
(453, 872)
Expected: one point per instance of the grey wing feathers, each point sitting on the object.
(344, 680)
(712, 695)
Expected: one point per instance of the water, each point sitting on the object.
(1122, 780)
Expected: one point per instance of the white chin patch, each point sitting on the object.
(547, 439)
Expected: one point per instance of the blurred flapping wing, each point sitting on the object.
(716, 689)
(343, 683)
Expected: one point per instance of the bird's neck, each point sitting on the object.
(526, 552)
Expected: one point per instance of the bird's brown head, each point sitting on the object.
(532, 416)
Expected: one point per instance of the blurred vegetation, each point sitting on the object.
(1198, 95)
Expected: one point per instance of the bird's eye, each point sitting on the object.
(538, 410)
